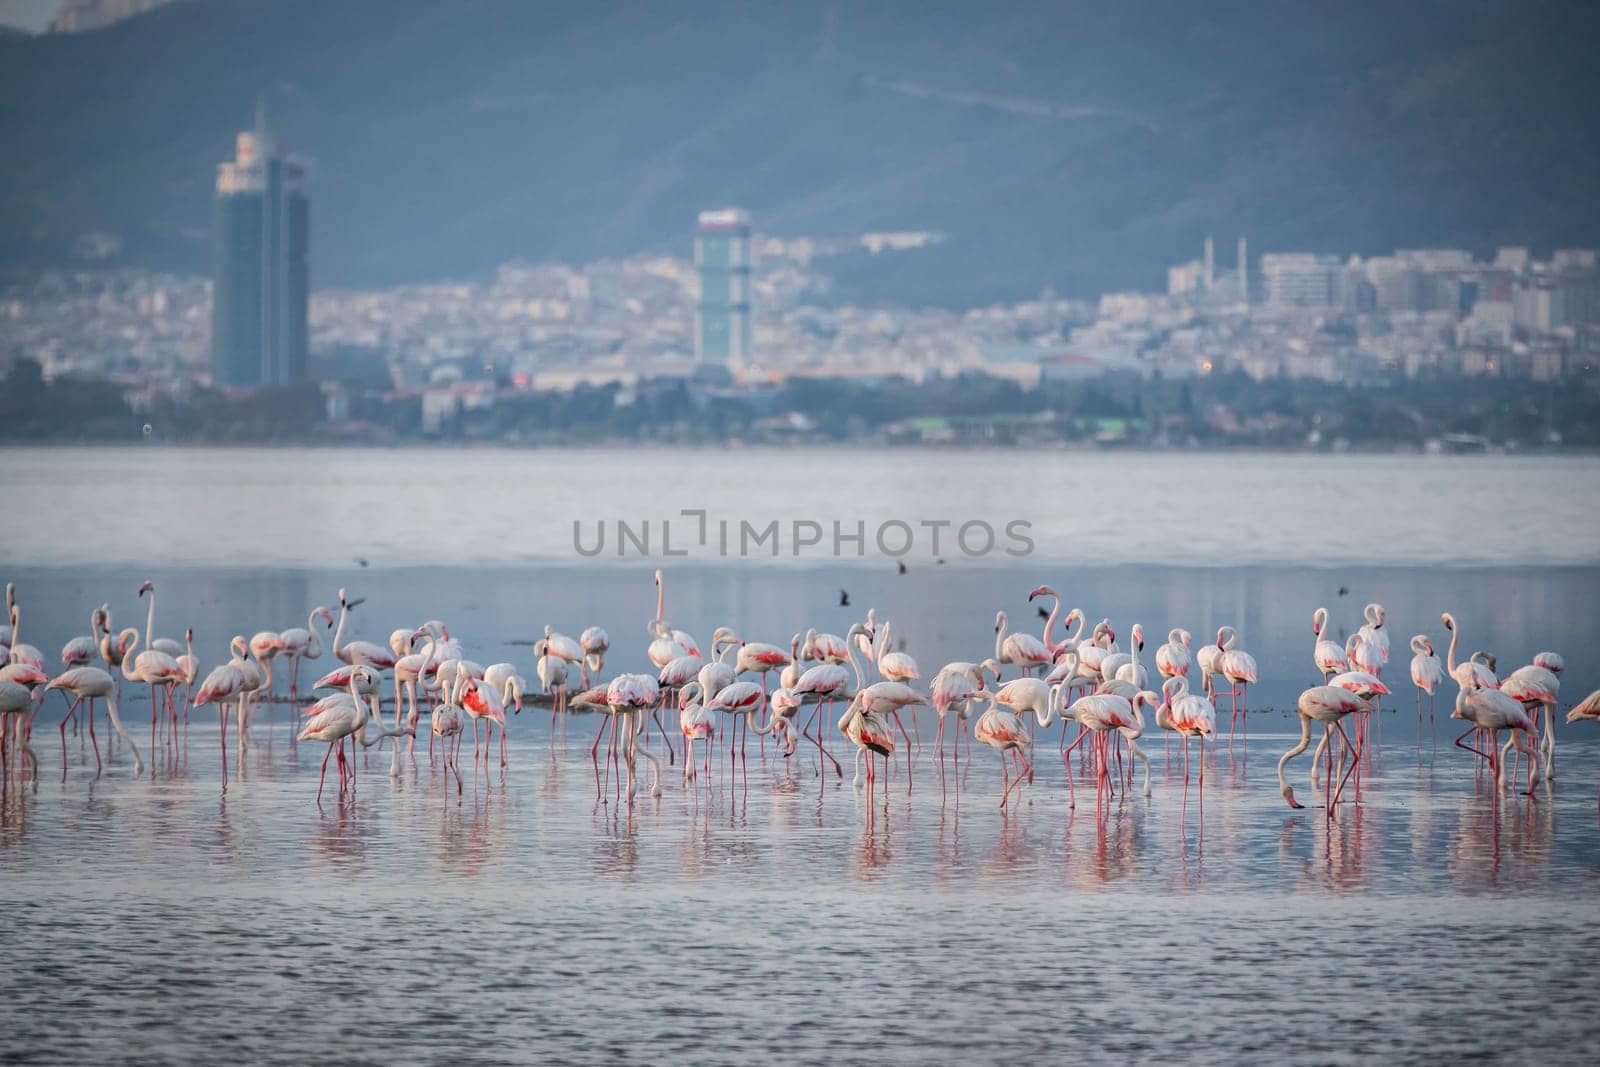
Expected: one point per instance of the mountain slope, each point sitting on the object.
(1082, 146)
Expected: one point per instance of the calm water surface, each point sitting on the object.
(165, 919)
(297, 507)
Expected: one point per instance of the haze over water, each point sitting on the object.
(527, 921)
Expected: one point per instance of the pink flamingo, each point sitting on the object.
(1188, 715)
(1329, 657)
(1172, 658)
(1427, 673)
(1587, 710)
(362, 653)
(871, 736)
(1537, 689)
(336, 717)
(297, 644)
(594, 642)
(697, 723)
(953, 689)
(1328, 705)
(91, 684)
(1493, 711)
(1022, 650)
(1101, 714)
(1001, 729)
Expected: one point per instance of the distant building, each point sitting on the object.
(1302, 279)
(722, 318)
(260, 271)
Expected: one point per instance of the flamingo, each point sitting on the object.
(1427, 673)
(717, 672)
(594, 642)
(359, 653)
(953, 689)
(1374, 633)
(1050, 619)
(1537, 688)
(1001, 729)
(1239, 668)
(1493, 711)
(894, 666)
(889, 698)
(1209, 659)
(627, 696)
(1172, 658)
(1587, 710)
(825, 683)
(91, 684)
(488, 706)
(409, 669)
(225, 682)
(189, 664)
(1469, 672)
(697, 723)
(16, 700)
(152, 667)
(740, 700)
(265, 646)
(1188, 715)
(1133, 671)
(552, 672)
(1023, 651)
(661, 628)
(335, 718)
(782, 707)
(1102, 713)
(1328, 705)
(1327, 655)
(870, 734)
(866, 641)
(563, 647)
(445, 723)
(830, 648)
(299, 644)
(20, 653)
(1362, 655)
(78, 651)
(756, 657)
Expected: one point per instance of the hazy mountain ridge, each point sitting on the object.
(1060, 145)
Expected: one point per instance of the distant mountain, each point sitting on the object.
(1082, 146)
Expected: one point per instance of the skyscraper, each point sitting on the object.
(262, 286)
(722, 319)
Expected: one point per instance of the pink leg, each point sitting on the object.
(320, 781)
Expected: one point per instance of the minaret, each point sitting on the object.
(1244, 272)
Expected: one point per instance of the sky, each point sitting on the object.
(31, 15)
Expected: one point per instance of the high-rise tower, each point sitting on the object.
(722, 318)
(260, 272)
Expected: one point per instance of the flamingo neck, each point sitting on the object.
(850, 654)
(1450, 653)
(1000, 639)
(1050, 623)
(313, 646)
(150, 621)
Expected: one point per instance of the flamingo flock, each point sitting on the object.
(868, 688)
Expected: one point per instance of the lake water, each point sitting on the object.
(165, 918)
